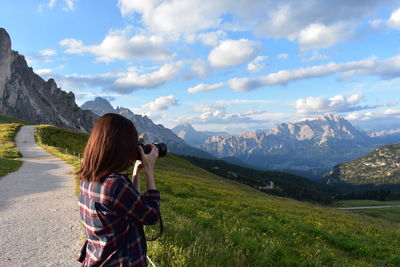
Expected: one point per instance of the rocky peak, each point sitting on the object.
(25, 95)
(5, 59)
(99, 105)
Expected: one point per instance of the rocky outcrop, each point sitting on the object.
(25, 95)
(382, 166)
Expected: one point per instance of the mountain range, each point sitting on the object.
(149, 131)
(302, 147)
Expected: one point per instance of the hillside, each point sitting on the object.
(273, 182)
(212, 221)
(381, 166)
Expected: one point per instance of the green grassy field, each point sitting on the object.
(7, 119)
(9, 155)
(211, 221)
(390, 214)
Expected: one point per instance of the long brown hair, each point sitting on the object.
(112, 147)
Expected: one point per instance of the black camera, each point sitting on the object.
(162, 149)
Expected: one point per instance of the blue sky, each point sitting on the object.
(222, 65)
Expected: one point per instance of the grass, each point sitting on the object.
(389, 214)
(7, 119)
(211, 221)
(9, 154)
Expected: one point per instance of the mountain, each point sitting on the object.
(194, 137)
(381, 166)
(311, 144)
(147, 129)
(26, 96)
(386, 136)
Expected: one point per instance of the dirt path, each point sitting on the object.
(368, 207)
(39, 217)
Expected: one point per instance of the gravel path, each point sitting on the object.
(39, 216)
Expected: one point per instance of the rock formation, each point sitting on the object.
(25, 95)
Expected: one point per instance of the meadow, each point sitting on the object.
(9, 155)
(212, 221)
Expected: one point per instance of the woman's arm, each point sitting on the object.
(148, 161)
(136, 174)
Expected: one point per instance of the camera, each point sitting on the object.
(162, 149)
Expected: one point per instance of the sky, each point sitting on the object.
(226, 65)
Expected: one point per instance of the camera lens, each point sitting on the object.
(162, 149)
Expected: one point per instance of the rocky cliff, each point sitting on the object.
(382, 166)
(25, 95)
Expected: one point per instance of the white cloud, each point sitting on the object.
(375, 23)
(52, 3)
(256, 65)
(204, 87)
(309, 22)
(321, 36)
(232, 53)
(315, 56)
(200, 68)
(394, 20)
(43, 71)
(174, 17)
(211, 38)
(69, 5)
(118, 46)
(161, 103)
(386, 68)
(47, 52)
(74, 46)
(133, 80)
(282, 56)
(338, 103)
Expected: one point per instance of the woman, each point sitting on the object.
(112, 210)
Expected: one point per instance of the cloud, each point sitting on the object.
(118, 46)
(175, 17)
(233, 52)
(211, 38)
(315, 56)
(199, 68)
(122, 82)
(321, 36)
(282, 56)
(43, 71)
(386, 68)
(312, 23)
(376, 121)
(69, 5)
(204, 87)
(394, 20)
(338, 103)
(133, 80)
(161, 103)
(256, 65)
(45, 55)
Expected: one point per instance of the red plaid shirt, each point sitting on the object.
(113, 214)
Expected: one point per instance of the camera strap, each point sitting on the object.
(154, 238)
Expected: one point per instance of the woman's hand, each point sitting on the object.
(148, 161)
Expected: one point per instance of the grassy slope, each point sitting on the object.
(211, 221)
(9, 155)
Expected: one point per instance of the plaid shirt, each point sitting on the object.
(113, 214)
